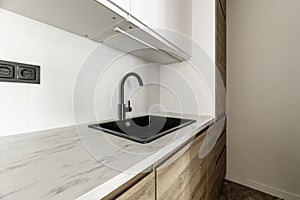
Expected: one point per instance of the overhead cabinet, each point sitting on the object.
(80, 17)
(123, 4)
(172, 19)
(108, 22)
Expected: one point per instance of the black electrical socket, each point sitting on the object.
(7, 71)
(19, 72)
(26, 73)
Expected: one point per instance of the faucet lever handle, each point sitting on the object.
(128, 106)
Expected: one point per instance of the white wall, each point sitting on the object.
(61, 55)
(193, 82)
(264, 95)
(96, 93)
(204, 25)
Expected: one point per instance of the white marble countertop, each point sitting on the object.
(79, 162)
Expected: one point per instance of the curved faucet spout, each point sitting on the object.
(122, 107)
(131, 74)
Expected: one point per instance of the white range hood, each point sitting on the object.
(100, 21)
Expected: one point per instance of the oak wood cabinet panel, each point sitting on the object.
(217, 158)
(221, 41)
(144, 189)
(182, 176)
(216, 168)
(185, 176)
(221, 171)
(140, 187)
(223, 6)
(220, 58)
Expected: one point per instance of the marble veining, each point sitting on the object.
(78, 162)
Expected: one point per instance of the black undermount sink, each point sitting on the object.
(143, 129)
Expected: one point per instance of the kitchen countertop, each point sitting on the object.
(79, 162)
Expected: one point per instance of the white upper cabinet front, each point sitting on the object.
(123, 4)
(166, 17)
(120, 7)
(87, 18)
(112, 23)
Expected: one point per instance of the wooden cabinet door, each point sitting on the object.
(216, 168)
(184, 175)
(220, 171)
(144, 189)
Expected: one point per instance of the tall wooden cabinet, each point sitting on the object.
(217, 157)
(221, 39)
(220, 49)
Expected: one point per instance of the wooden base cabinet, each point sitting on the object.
(141, 187)
(183, 176)
(144, 189)
(216, 168)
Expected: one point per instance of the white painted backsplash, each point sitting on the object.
(61, 55)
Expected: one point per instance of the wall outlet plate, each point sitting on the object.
(26, 73)
(7, 71)
(19, 72)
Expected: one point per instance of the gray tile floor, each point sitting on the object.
(234, 191)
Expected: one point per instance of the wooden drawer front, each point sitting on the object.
(221, 171)
(220, 146)
(144, 189)
(216, 151)
(215, 183)
(216, 167)
(186, 177)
